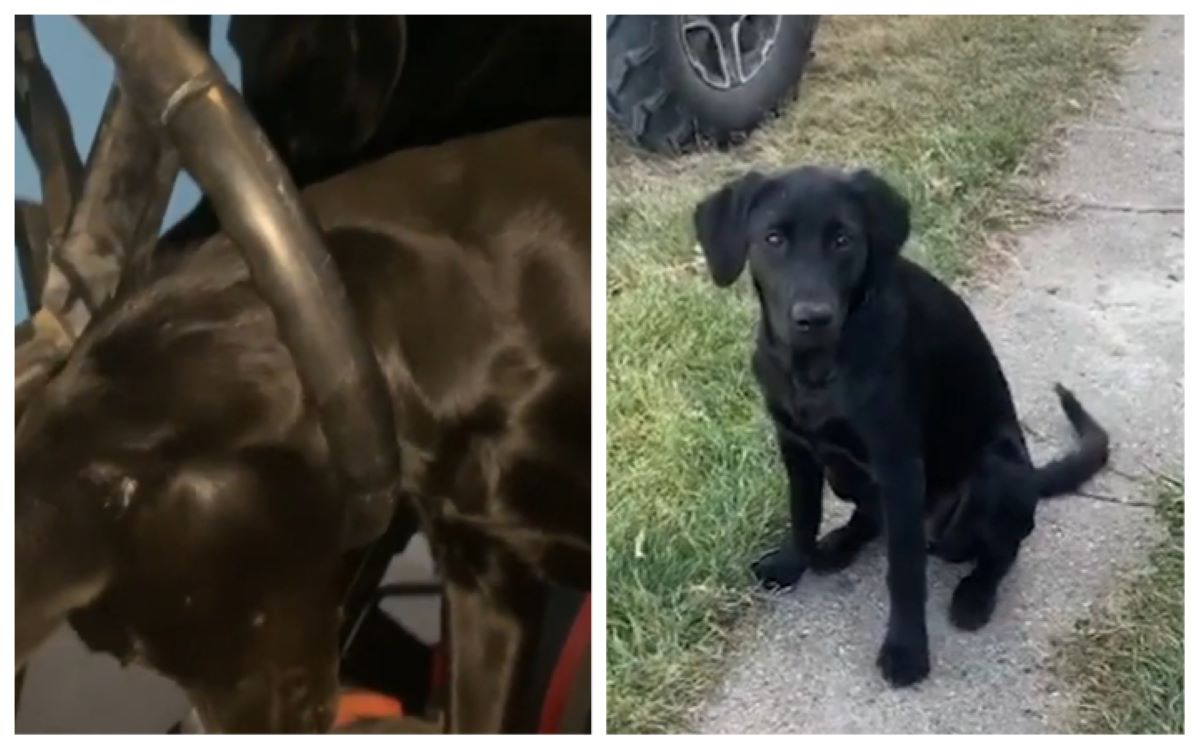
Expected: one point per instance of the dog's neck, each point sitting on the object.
(813, 370)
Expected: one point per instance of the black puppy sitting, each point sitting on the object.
(880, 382)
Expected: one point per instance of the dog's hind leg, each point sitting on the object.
(1003, 500)
(975, 597)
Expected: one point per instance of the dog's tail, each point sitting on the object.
(1069, 472)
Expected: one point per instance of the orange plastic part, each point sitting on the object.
(360, 705)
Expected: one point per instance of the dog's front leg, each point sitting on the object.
(488, 647)
(784, 566)
(904, 658)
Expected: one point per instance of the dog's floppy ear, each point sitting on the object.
(720, 222)
(886, 213)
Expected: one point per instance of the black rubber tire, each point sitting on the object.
(656, 97)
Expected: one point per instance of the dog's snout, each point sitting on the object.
(811, 316)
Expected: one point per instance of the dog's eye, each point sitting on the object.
(773, 238)
(841, 240)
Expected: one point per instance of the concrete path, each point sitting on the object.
(1094, 300)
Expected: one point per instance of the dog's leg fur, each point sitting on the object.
(806, 480)
(904, 658)
(490, 650)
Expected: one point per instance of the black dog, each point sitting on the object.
(174, 493)
(881, 383)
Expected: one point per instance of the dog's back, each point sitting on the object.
(473, 283)
(964, 393)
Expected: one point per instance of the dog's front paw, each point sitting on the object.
(903, 664)
(778, 569)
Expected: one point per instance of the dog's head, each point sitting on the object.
(168, 504)
(817, 241)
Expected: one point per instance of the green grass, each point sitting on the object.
(953, 111)
(1127, 662)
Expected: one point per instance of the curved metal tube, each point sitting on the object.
(178, 84)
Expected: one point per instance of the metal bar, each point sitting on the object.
(43, 119)
(128, 180)
(179, 86)
(161, 181)
(33, 248)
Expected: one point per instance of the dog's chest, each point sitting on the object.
(821, 420)
(837, 447)
(845, 458)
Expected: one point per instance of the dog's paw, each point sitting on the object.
(835, 551)
(903, 664)
(973, 604)
(778, 569)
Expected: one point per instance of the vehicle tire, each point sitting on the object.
(678, 81)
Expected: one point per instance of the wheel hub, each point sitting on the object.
(728, 51)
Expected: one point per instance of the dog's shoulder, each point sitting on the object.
(923, 292)
(937, 316)
(949, 351)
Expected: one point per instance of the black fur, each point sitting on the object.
(881, 384)
(174, 494)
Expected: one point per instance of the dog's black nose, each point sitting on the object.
(811, 316)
